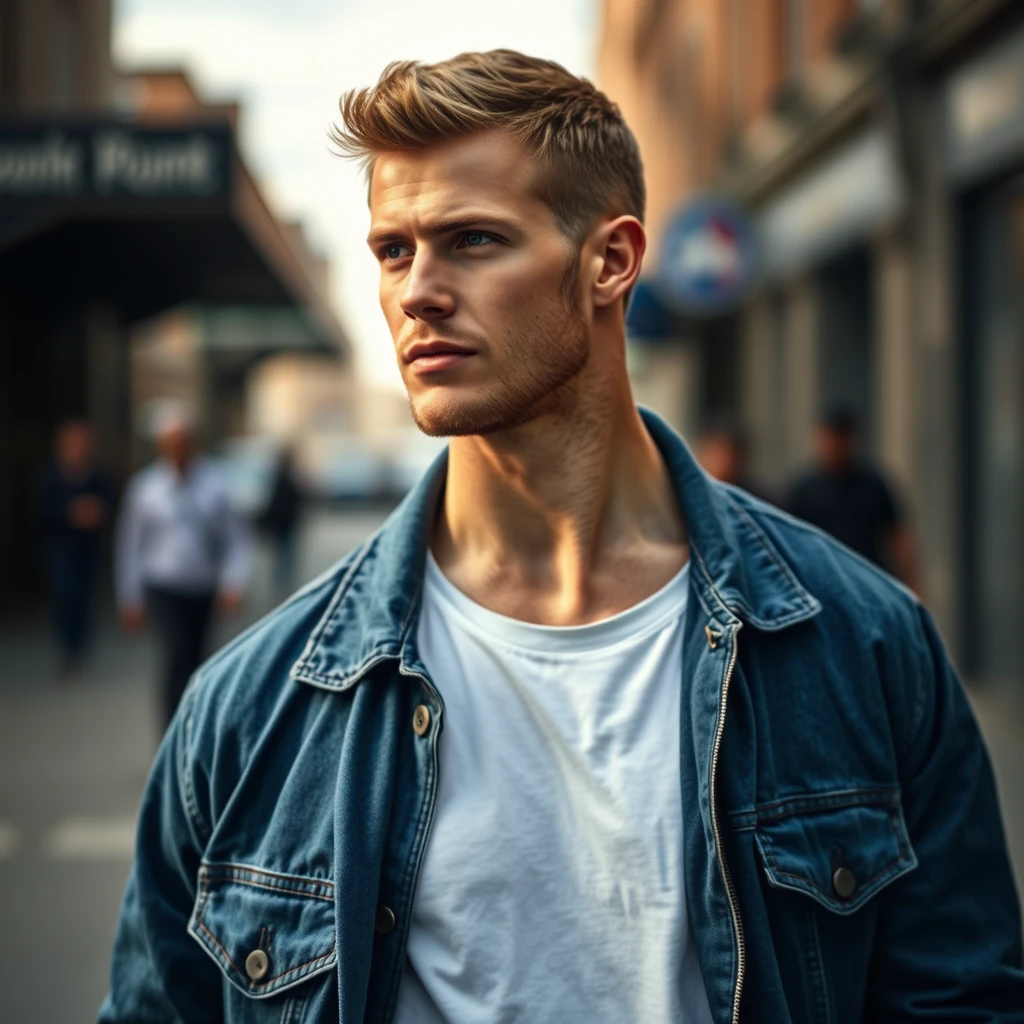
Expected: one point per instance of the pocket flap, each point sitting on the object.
(266, 931)
(841, 856)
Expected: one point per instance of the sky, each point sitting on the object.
(288, 61)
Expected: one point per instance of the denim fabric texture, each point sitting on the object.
(854, 821)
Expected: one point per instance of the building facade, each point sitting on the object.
(878, 149)
(122, 196)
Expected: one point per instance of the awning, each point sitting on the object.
(147, 217)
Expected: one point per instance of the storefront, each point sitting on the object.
(814, 334)
(104, 223)
(982, 123)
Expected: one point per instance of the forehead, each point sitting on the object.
(487, 171)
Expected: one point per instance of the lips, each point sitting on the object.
(430, 357)
(431, 349)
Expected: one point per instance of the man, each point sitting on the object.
(846, 498)
(180, 549)
(579, 734)
(75, 503)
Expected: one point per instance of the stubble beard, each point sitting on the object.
(545, 359)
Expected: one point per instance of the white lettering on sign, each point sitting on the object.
(126, 163)
(52, 164)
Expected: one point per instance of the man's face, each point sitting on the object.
(74, 445)
(176, 444)
(478, 285)
(835, 448)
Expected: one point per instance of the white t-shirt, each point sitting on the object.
(552, 885)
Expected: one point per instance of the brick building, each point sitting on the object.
(878, 148)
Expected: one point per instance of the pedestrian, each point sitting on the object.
(723, 450)
(75, 506)
(280, 519)
(181, 551)
(580, 734)
(850, 499)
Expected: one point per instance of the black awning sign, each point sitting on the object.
(55, 162)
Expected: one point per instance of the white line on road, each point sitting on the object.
(10, 840)
(91, 839)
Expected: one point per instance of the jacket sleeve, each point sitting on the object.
(159, 973)
(949, 932)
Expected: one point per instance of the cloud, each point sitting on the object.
(289, 63)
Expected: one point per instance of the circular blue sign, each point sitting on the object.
(708, 258)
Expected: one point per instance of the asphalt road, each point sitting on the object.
(73, 761)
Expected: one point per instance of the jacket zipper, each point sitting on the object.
(429, 687)
(734, 906)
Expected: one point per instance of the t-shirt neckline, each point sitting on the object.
(665, 604)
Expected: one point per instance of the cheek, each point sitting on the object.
(390, 306)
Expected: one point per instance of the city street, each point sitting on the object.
(74, 757)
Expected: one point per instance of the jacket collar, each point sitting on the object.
(739, 575)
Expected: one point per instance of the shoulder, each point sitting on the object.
(239, 688)
(848, 586)
(870, 626)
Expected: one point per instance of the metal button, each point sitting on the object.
(385, 922)
(257, 963)
(844, 881)
(421, 720)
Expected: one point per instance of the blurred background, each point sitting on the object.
(836, 221)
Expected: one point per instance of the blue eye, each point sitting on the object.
(394, 251)
(475, 239)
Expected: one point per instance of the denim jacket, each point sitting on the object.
(844, 854)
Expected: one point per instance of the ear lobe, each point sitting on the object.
(621, 247)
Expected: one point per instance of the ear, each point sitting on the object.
(619, 246)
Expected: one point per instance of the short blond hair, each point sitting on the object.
(590, 159)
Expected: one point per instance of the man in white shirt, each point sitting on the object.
(509, 761)
(553, 605)
(180, 549)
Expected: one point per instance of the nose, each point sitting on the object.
(425, 296)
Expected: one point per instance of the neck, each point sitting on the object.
(565, 519)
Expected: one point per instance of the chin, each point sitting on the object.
(438, 416)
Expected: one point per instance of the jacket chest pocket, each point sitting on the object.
(836, 852)
(839, 856)
(273, 937)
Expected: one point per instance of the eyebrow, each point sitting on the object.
(445, 227)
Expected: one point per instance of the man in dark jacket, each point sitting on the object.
(75, 505)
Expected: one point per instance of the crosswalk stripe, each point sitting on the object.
(10, 840)
(91, 839)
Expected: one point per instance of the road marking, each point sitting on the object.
(91, 839)
(10, 840)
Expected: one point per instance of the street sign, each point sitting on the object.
(708, 258)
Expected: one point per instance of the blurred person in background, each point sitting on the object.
(723, 450)
(578, 734)
(851, 500)
(281, 517)
(75, 506)
(181, 552)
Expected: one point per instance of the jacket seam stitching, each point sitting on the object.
(790, 806)
(317, 635)
(201, 833)
(769, 548)
(264, 985)
(269, 887)
(211, 867)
